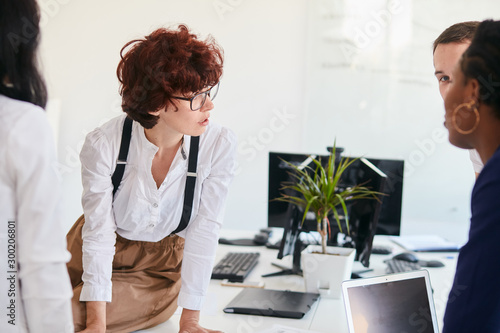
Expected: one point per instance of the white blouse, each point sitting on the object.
(477, 163)
(35, 290)
(140, 211)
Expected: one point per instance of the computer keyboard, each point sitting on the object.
(235, 266)
(399, 266)
(381, 249)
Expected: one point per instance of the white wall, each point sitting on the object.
(371, 86)
(387, 105)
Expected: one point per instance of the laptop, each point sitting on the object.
(274, 303)
(399, 302)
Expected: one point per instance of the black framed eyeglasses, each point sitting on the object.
(198, 100)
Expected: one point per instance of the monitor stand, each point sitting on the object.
(295, 270)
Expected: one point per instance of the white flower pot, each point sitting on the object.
(324, 273)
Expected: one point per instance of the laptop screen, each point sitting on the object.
(398, 303)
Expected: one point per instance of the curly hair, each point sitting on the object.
(165, 63)
(20, 77)
(481, 61)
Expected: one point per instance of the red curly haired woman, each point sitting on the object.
(159, 205)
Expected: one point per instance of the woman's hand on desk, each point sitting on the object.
(189, 323)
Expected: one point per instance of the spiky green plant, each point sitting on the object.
(319, 193)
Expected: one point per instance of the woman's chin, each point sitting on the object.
(459, 142)
(197, 131)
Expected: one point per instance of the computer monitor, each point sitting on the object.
(291, 243)
(364, 215)
(278, 212)
(389, 222)
(390, 214)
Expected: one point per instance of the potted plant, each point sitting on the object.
(316, 189)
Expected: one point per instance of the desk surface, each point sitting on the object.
(327, 315)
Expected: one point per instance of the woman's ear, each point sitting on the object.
(473, 89)
(155, 113)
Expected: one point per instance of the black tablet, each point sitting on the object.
(274, 303)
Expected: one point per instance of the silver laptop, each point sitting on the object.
(395, 303)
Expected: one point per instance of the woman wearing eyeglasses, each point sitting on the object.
(168, 206)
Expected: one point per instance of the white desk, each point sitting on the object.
(326, 316)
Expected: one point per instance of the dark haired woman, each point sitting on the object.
(473, 121)
(169, 80)
(447, 50)
(35, 289)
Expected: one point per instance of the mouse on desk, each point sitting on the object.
(431, 263)
(261, 238)
(411, 257)
(406, 256)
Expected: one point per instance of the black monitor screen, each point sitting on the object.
(363, 213)
(389, 222)
(278, 212)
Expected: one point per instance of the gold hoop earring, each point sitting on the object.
(472, 106)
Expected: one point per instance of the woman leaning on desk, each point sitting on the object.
(129, 275)
(473, 122)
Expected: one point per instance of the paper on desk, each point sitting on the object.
(425, 243)
(285, 329)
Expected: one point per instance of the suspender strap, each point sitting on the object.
(117, 176)
(190, 183)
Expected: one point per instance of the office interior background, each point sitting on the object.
(298, 75)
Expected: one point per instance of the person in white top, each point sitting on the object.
(35, 287)
(133, 272)
(448, 49)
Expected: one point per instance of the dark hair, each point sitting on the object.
(19, 38)
(481, 61)
(457, 33)
(165, 63)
